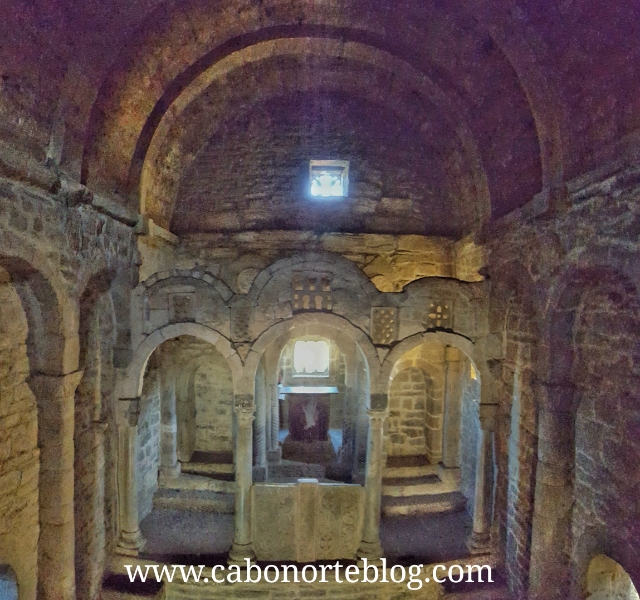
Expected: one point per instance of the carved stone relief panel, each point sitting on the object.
(311, 291)
(273, 521)
(440, 314)
(384, 325)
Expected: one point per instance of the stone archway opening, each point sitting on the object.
(432, 431)
(185, 448)
(311, 391)
(607, 580)
(312, 395)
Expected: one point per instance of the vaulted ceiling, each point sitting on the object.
(503, 99)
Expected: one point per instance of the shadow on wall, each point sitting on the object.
(607, 580)
(8, 583)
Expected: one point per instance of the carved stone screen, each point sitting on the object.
(306, 521)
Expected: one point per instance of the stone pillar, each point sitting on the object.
(169, 465)
(244, 408)
(130, 540)
(56, 547)
(275, 453)
(261, 422)
(480, 539)
(552, 507)
(370, 546)
(452, 407)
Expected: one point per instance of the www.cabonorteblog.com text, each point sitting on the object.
(413, 575)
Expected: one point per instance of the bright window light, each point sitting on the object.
(329, 178)
(311, 358)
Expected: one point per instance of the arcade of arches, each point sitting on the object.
(202, 363)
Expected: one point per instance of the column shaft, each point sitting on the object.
(130, 541)
(370, 546)
(56, 546)
(169, 465)
(452, 408)
(479, 541)
(242, 547)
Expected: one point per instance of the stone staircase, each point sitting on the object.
(205, 484)
(412, 486)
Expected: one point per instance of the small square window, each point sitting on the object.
(329, 178)
(311, 358)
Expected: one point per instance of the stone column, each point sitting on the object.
(370, 546)
(480, 538)
(275, 453)
(130, 540)
(452, 407)
(56, 547)
(169, 465)
(552, 508)
(261, 422)
(244, 408)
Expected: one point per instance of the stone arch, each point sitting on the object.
(447, 339)
(197, 273)
(588, 307)
(51, 348)
(515, 308)
(131, 386)
(340, 327)
(315, 261)
(606, 580)
(150, 160)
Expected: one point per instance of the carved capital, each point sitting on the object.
(377, 418)
(244, 407)
(487, 416)
(128, 412)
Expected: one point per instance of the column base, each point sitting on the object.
(130, 543)
(240, 553)
(172, 472)
(479, 543)
(372, 551)
(274, 456)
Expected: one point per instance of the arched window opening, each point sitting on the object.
(606, 580)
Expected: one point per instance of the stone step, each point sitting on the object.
(187, 481)
(224, 472)
(422, 505)
(429, 485)
(415, 471)
(411, 460)
(194, 500)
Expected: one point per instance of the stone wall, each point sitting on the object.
(391, 262)
(408, 395)
(575, 277)
(19, 456)
(469, 436)
(416, 403)
(213, 392)
(607, 429)
(148, 461)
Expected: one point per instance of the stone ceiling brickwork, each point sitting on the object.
(517, 96)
